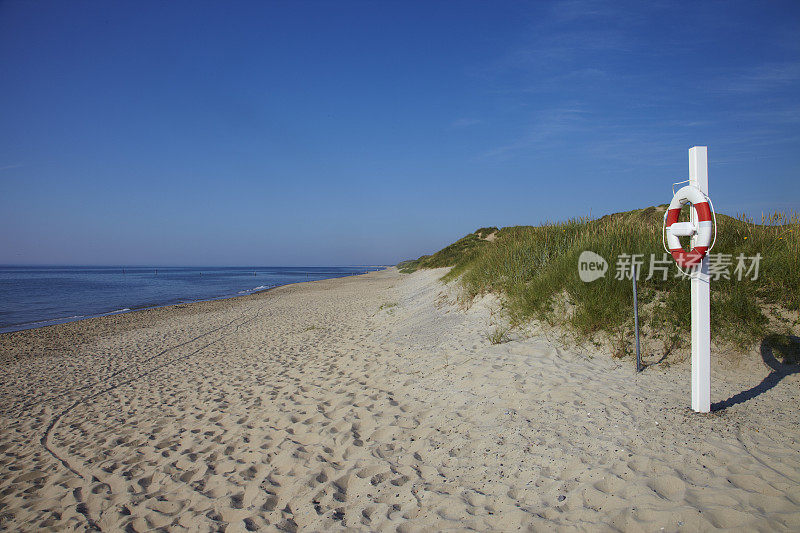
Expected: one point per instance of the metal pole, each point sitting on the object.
(636, 320)
(701, 298)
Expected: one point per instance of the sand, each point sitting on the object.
(375, 403)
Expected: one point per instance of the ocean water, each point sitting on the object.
(32, 297)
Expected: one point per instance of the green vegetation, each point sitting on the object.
(785, 348)
(461, 251)
(499, 335)
(535, 270)
(407, 267)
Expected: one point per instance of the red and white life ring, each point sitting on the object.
(702, 230)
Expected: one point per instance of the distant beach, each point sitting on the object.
(375, 402)
(36, 296)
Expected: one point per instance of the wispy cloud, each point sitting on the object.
(465, 122)
(573, 80)
(600, 12)
(547, 126)
(775, 113)
(614, 84)
(9, 167)
(564, 50)
(571, 10)
(761, 78)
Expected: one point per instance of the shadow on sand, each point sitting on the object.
(779, 371)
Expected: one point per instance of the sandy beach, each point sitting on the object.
(374, 402)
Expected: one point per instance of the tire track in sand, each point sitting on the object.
(85, 474)
(130, 365)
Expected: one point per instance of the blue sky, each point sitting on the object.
(286, 133)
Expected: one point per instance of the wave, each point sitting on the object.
(99, 291)
(256, 289)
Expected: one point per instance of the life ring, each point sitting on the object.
(701, 229)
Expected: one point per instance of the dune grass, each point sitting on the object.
(535, 270)
(461, 251)
(498, 335)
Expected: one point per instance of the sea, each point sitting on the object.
(36, 296)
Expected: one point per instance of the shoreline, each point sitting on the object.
(78, 318)
(373, 402)
(86, 329)
(65, 320)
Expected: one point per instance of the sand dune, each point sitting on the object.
(373, 403)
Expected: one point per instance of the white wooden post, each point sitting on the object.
(701, 298)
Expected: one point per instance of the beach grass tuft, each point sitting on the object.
(498, 335)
